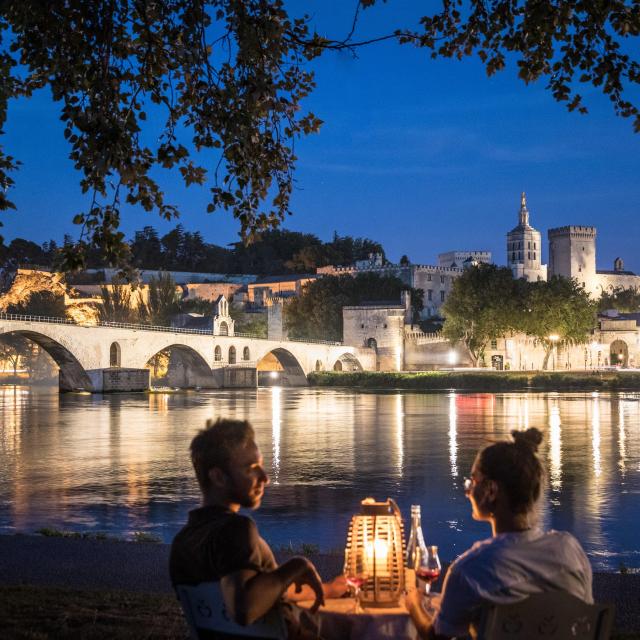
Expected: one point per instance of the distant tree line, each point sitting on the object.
(273, 252)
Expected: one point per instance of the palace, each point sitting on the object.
(572, 254)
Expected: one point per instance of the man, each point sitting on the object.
(220, 544)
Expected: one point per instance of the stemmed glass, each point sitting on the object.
(428, 569)
(356, 574)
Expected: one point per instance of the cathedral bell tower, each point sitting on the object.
(524, 248)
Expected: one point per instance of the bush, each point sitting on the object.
(476, 380)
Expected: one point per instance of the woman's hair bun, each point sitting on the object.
(530, 438)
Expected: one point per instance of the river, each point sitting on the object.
(119, 463)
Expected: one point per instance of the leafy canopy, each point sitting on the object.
(225, 79)
(483, 305)
(558, 311)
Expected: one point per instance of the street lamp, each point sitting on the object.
(554, 337)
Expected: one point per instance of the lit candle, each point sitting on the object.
(377, 553)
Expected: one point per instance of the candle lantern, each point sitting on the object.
(376, 541)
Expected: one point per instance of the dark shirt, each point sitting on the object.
(214, 543)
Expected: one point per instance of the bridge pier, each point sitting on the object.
(113, 379)
(239, 377)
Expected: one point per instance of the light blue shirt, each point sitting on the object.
(507, 568)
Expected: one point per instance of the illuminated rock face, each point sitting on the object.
(26, 281)
(19, 286)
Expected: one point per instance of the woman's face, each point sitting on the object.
(481, 494)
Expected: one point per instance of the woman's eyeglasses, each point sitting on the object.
(469, 483)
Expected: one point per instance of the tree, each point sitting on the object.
(230, 76)
(317, 313)
(254, 324)
(146, 249)
(163, 300)
(485, 303)
(404, 261)
(13, 349)
(623, 300)
(558, 312)
(567, 43)
(40, 303)
(117, 305)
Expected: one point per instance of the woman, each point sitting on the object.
(519, 559)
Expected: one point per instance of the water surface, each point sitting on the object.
(120, 464)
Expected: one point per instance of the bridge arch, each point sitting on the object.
(185, 366)
(72, 375)
(347, 362)
(285, 364)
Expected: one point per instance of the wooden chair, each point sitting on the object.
(554, 615)
(205, 611)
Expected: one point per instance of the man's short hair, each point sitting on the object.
(213, 446)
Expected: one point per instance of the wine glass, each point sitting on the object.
(356, 573)
(428, 569)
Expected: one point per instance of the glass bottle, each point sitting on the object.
(416, 548)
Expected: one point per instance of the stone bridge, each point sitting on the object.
(112, 356)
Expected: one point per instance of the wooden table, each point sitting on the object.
(338, 621)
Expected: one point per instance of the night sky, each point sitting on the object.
(422, 156)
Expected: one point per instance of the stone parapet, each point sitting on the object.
(573, 230)
(420, 337)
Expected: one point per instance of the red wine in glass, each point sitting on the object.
(356, 581)
(429, 568)
(426, 577)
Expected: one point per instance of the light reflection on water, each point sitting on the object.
(120, 463)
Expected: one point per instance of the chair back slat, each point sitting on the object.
(547, 616)
(205, 610)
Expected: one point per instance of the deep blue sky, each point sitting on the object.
(423, 156)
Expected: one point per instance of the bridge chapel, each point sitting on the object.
(223, 323)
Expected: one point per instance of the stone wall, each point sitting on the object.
(607, 282)
(432, 355)
(380, 328)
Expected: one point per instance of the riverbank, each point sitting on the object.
(94, 589)
(480, 380)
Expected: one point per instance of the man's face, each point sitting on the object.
(246, 477)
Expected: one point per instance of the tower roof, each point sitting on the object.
(523, 216)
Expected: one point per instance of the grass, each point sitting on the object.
(137, 536)
(479, 380)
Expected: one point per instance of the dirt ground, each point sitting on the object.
(39, 613)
